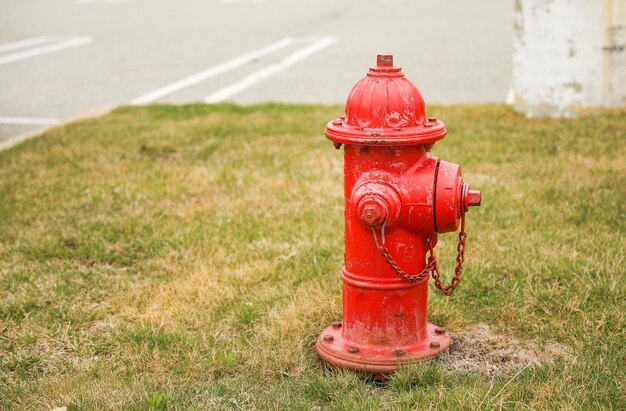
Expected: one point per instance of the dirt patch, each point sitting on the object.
(51, 350)
(479, 350)
(98, 327)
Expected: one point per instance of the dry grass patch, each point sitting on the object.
(479, 350)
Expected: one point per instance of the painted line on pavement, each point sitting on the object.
(100, 1)
(35, 41)
(48, 48)
(270, 70)
(243, 1)
(211, 72)
(28, 120)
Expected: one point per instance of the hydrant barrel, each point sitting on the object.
(397, 199)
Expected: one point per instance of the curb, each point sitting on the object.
(86, 115)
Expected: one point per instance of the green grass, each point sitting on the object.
(187, 257)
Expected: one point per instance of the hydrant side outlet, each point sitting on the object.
(398, 198)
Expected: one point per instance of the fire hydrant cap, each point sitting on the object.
(385, 108)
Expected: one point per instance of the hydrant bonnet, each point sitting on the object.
(385, 108)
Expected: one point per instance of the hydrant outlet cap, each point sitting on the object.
(385, 108)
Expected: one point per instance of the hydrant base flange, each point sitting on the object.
(376, 359)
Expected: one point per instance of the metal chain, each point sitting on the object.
(431, 265)
(460, 258)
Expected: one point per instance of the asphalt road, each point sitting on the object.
(59, 58)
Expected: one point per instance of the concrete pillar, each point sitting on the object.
(568, 55)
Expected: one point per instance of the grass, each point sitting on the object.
(186, 257)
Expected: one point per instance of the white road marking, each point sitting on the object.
(211, 72)
(24, 43)
(28, 120)
(48, 48)
(243, 1)
(270, 70)
(100, 1)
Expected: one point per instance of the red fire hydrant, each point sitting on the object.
(398, 198)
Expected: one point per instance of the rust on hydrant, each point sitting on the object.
(398, 199)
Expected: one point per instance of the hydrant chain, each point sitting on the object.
(431, 267)
(460, 258)
(414, 278)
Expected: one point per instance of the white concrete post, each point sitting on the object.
(568, 55)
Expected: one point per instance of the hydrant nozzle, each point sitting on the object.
(473, 198)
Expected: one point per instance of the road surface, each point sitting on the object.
(59, 58)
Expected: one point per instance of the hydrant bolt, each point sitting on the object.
(371, 215)
(373, 211)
